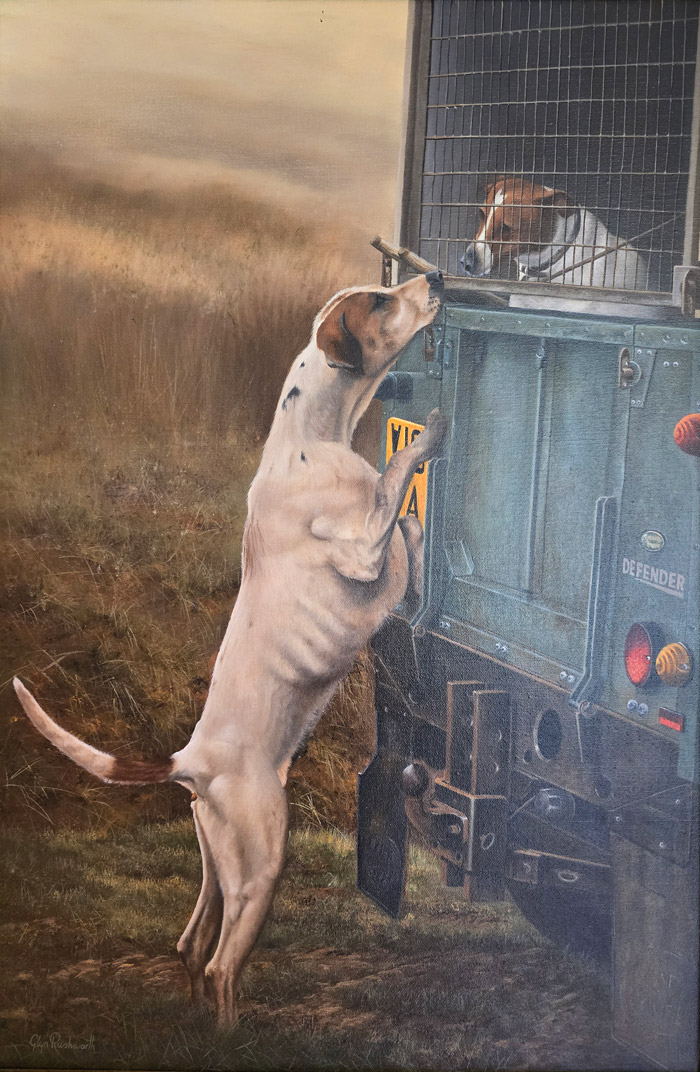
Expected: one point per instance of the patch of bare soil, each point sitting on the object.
(164, 971)
(557, 1027)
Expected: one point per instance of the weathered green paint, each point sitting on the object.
(540, 431)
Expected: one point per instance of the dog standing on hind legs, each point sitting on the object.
(325, 560)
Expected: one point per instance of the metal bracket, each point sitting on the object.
(459, 558)
(587, 732)
(565, 872)
(432, 583)
(644, 361)
(428, 344)
(446, 829)
(661, 823)
(433, 345)
(686, 288)
(628, 371)
(466, 830)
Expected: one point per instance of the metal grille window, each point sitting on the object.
(589, 98)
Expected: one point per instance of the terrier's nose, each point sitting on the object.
(467, 260)
(435, 279)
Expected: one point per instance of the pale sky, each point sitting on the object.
(294, 94)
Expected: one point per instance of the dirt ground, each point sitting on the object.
(333, 983)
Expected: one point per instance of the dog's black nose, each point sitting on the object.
(435, 279)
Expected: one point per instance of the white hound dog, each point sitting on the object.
(324, 562)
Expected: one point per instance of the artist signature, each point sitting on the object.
(55, 1041)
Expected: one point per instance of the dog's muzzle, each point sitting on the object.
(472, 262)
(436, 285)
(436, 281)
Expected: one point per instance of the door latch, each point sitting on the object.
(628, 371)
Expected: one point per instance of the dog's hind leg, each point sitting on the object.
(204, 927)
(246, 826)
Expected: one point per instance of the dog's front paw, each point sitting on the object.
(432, 439)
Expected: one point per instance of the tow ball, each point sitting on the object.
(467, 831)
(445, 829)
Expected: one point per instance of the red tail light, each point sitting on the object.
(639, 654)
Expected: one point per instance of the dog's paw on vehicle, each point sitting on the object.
(434, 436)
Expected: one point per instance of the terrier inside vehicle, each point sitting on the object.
(550, 239)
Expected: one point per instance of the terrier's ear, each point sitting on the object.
(553, 198)
(496, 184)
(335, 337)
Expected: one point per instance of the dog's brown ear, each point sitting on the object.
(335, 336)
(499, 180)
(554, 198)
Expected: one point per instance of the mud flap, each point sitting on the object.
(382, 826)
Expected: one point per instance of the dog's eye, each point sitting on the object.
(506, 228)
(380, 300)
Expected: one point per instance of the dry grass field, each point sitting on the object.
(144, 339)
(171, 310)
(182, 186)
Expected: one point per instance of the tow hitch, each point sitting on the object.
(462, 815)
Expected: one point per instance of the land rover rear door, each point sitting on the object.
(535, 473)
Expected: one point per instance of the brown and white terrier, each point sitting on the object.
(549, 239)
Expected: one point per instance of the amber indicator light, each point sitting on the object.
(687, 433)
(639, 661)
(674, 664)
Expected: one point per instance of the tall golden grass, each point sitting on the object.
(144, 337)
(171, 309)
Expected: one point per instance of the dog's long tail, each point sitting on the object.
(109, 768)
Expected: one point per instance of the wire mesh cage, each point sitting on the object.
(558, 140)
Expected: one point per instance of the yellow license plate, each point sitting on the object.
(399, 434)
